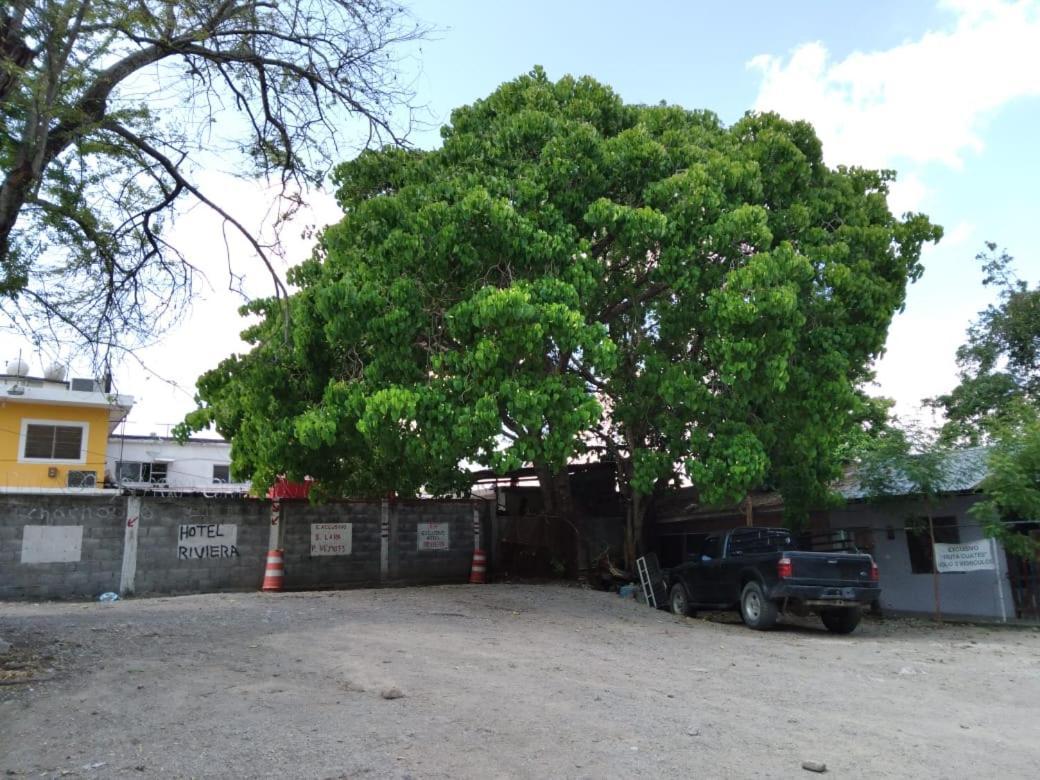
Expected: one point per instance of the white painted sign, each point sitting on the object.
(51, 543)
(964, 556)
(196, 541)
(433, 536)
(331, 538)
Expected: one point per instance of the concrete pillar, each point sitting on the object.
(275, 535)
(384, 541)
(130, 532)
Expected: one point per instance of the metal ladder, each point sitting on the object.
(644, 580)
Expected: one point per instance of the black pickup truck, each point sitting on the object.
(761, 572)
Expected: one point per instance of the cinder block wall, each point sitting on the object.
(230, 561)
(73, 548)
(360, 566)
(411, 563)
(66, 546)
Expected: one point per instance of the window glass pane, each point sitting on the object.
(946, 530)
(68, 441)
(53, 442)
(711, 548)
(128, 471)
(39, 441)
(158, 472)
(221, 473)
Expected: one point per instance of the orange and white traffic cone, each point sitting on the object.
(274, 573)
(478, 574)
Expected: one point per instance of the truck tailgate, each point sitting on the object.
(827, 568)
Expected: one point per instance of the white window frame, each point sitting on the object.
(84, 439)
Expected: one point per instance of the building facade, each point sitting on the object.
(53, 433)
(161, 464)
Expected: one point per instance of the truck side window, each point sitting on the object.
(710, 549)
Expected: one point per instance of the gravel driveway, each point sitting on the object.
(502, 681)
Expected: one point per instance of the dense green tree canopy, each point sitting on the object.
(573, 276)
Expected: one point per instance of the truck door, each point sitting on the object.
(705, 588)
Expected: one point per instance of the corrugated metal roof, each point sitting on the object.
(964, 472)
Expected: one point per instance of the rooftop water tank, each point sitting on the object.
(17, 367)
(55, 373)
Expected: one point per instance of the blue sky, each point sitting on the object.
(691, 53)
(948, 93)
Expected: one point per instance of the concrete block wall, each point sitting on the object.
(167, 545)
(304, 570)
(409, 563)
(235, 564)
(73, 548)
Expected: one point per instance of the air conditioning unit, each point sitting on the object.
(86, 386)
(81, 479)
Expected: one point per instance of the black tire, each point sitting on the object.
(679, 600)
(841, 620)
(756, 610)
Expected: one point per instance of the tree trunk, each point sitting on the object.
(565, 524)
(14, 53)
(635, 512)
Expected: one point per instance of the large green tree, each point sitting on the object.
(110, 110)
(999, 388)
(570, 276)
(1010, 505)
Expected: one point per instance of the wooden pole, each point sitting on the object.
(935, 568)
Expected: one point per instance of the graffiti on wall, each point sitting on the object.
(52, 543)
(331, 538)
(196, 541)
(65, 514)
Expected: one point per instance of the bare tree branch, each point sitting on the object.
(110, 108)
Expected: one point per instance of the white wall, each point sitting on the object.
(188, 465)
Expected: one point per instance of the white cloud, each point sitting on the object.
(959, 234)
(923, 101)
(906, 193)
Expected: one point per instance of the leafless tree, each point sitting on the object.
(110, 109)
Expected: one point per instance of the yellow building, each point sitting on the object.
(53, 434)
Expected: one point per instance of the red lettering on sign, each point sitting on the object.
(131, 522)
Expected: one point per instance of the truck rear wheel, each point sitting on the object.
(841, 620)
(679, 600)
(756, 610)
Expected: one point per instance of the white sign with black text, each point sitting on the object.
(432, 536)
(331, 538)
(964, 556)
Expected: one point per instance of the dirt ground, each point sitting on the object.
(501, 681)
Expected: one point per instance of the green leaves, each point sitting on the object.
(572, 276)
(1012, 488)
